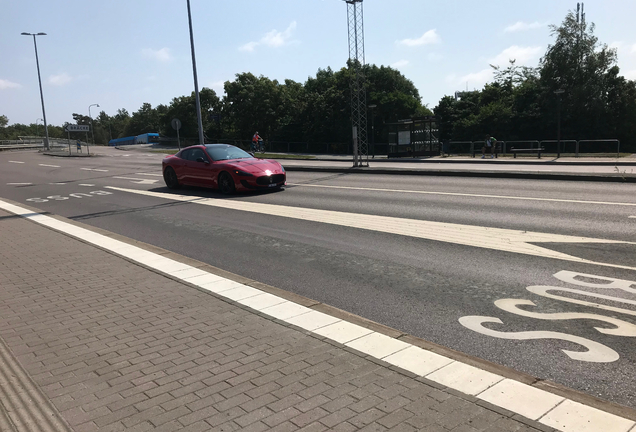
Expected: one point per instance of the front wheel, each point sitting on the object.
(226, 184)
(170, 177)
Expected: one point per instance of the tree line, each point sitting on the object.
(578, 77)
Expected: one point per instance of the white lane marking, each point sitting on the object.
(543, 291)
(596, 352)
(19, 184)
(86, 184)
(521, 242)
(150, 174)
(138, 180)
(465, 195)
(18, 162)
(50, 166)
(457, 375)
(632, 217)
(94, 169)
(623, 328)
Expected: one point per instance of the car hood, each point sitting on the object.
(256, 166)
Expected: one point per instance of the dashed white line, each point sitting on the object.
(94, 169)
(138, 180)
(50, 166)
(87, 184)
(632, 217)
(19, 184)
(464, 195)
(150, 174)
(18, 162)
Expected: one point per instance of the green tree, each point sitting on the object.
(253, 104)
(145, 120)
(580, 65)
(3, 121)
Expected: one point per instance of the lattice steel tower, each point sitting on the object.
(355, 21)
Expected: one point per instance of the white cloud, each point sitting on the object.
(472, 80)
(633, 49)
(272, 39)
(400, 64)
(520, 26)
(6, 84)
(521, 55)
(162, 55)
(630, 75)
(60, 80)
(429, 38)
(218, 85)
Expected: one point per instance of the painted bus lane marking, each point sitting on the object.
(596, 352)
(73, 195)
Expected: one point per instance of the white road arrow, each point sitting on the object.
(138, 180)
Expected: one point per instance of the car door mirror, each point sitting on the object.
(200, 159)
(251, 154)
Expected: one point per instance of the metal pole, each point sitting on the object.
(372, 131)
(37, 63)
(196, 83)
(91, 117)
(559, 92)
(559, 126)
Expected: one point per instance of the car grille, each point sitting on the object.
(273, 179)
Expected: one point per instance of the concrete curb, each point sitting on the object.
(614, 178)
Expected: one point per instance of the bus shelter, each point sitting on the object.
(414, 137)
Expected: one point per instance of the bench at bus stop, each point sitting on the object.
(538, 151)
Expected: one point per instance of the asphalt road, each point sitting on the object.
(425, 255)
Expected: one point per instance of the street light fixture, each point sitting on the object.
(371, 107)
(91, 117)
(37, 63)
(559, 92)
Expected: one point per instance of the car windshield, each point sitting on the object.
(225, 152)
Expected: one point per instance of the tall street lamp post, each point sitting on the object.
(196, 83)
(559, 92)
(37, 63)
(371, 107)
(91, 117)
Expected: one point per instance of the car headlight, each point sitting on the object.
(243, 173)
(283, 168)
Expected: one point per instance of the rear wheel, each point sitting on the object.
(170, 177)
(226, 184)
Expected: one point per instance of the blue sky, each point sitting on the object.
(120, 54)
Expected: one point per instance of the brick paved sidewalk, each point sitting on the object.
(92, 342)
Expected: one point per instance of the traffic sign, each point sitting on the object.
(77, 128)
(176, 124)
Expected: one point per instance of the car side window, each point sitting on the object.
(186, 154)
(198, 153)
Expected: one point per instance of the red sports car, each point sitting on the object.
(222, 166)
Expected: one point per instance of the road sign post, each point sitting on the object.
(77, 128)
(176, 125)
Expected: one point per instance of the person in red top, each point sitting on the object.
(255, 141)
